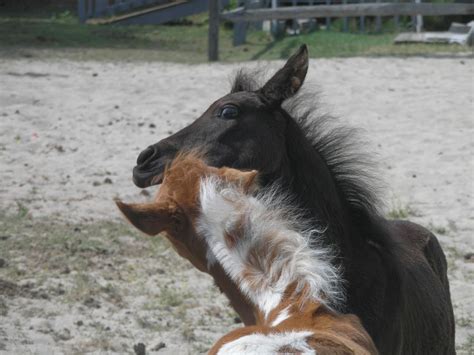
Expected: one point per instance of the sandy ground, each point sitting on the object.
(69, 136)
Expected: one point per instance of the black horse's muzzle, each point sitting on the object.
(150, 167)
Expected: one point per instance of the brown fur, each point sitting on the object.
(333, 333)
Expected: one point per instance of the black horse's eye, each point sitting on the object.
(229, 111)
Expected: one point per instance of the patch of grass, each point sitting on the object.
(145, 323)
(84, 267)
(440, 230)
(22, 210)
(188, 333)
(467, 347)
(171, 297)
(400, 211)
(464, 321)
(43, 250)
(101, 341)
(3, 308)
(62, 35)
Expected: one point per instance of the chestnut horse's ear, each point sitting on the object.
(246, 179)
(151, 218)
(289, 79)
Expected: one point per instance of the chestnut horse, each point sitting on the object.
(264, 248)
(395, 271)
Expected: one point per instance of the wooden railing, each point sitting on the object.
(242, 16)
(349, 10)
(100, 8)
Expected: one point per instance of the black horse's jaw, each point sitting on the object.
(145, 178)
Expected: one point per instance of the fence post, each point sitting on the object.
(328, 19)
(378, 21)
(274, 23)
(312, 22)
(81, 11)
(419, 20)
(90, 8)
(240, 33)
(213, 42)
(396, 20)
(362, 20)
(345, 22)
(100, 8)
(294, 22)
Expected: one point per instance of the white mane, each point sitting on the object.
(274, 247)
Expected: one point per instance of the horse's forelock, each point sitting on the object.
(246, 80)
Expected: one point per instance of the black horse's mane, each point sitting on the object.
(340, 146)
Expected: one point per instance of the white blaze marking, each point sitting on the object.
(260, 344)
(284, 314)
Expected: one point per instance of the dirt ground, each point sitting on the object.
(75, 278)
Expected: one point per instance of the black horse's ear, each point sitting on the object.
(289, 79)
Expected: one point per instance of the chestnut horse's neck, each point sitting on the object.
(237, 300)
(264, 248)
(282, 276)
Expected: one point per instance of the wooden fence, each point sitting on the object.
(344, 10)
(349, 10)
(99, 8)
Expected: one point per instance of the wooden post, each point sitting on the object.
(378, 22)
(419, 20)
(274, 23)
(81, 11)
(413, 20)
(396, 20)
(240, 33)
(328, 19)
(294, 24)
(213, 43)
(312, 22)
(90, 9)
(362, 21)
(345, 21)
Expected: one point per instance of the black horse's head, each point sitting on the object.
(244, 129)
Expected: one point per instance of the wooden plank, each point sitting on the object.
(351, 10)
(112, 19)
(213, 43)
(432, 37)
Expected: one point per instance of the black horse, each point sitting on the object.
(395, 271)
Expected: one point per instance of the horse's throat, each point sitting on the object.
(237, 300)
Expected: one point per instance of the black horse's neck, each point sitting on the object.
(312, 182)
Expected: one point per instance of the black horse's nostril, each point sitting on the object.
(146, 155)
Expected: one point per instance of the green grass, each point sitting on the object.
(60, 35)
(400, 211)
(54, 248)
